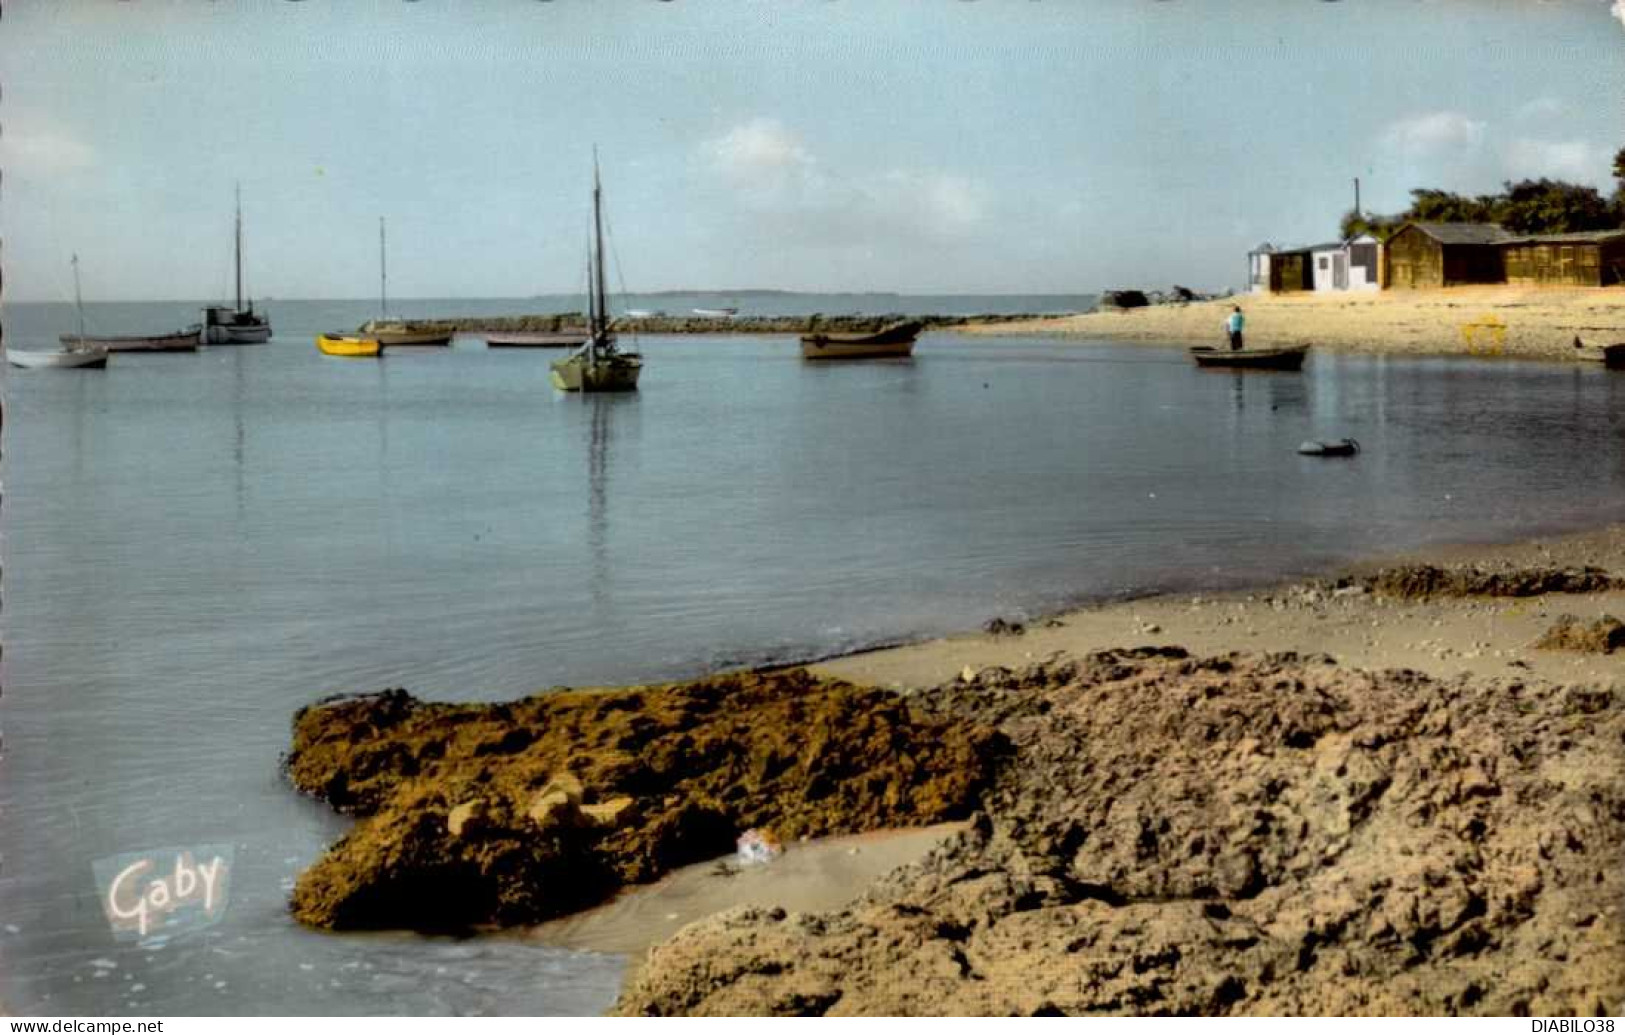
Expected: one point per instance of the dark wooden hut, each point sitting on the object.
(1592, 259)
(1431, 255)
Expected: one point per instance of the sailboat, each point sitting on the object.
(395, 332)
(185, 340)
(73, 353)
(236, 325)
(600, 365)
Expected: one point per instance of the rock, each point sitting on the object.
(608, 813)
(1603, 636)
(1243, 834)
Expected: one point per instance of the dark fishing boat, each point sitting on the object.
(227, 325)
(599, 365)
(1289, 358)
(894, 340)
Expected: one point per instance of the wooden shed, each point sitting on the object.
(1592, 259)
(1431, 255)
(1280, 269)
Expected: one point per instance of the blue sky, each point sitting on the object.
(832, 145)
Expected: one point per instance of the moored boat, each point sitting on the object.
(894, 340)
(177, 341)
(395, 332)
(228, 325)
(1288, 358)
(89, 358)
(599, 365)
(720, 313)
(339, 343)
(537, 339)
(392, 333)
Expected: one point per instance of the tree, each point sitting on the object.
(1353, 224)
(1553, 207)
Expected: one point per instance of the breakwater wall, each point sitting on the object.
(678, 324)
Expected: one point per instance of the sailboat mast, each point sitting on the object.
(78, 302)
(383, 273)
(598, 251)
(239, 247)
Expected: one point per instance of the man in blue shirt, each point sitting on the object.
(1234, 325)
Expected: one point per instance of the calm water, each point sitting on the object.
(197, 545)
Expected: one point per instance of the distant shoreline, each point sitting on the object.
(1478, 321)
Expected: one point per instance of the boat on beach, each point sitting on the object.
(236, 325)
(537, 339)
(599, 365)
(719, 313)
(176, 341)
(894, 340)
(1288, 358)
(341, 343)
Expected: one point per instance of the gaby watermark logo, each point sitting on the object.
(164, 891)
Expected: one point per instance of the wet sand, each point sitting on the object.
(1485, 321)
(1442, 637)
(811, 876)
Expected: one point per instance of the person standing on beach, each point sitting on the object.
(1234, 324)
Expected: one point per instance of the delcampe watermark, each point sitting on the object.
(163, 891)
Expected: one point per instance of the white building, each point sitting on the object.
(1349, 265)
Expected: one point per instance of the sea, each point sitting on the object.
(197, 545)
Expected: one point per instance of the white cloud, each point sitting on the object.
(788, 189)
(43, 151)
(1541, 108)
(1434, 133)
(760, 150)
(1528, 158)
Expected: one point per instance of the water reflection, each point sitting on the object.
(600, 430)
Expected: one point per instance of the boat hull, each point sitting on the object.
(580, 374)
(86, 359)
(718, 314)
(1251, 359)
(237, 335)
(348, 345)
(227, 326)
(388, 335)
(538, 340)
(896, 340)
(180, 341)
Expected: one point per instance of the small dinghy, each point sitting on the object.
(1339, 447)
(1289, 358)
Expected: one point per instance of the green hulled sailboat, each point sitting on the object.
(600, 365)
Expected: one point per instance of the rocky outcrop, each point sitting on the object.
(1260, 835)
(1603, 636)
(510, 813)
(1421, 581)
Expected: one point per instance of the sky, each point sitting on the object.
(919, 146)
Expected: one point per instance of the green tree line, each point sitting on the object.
(1542, 206)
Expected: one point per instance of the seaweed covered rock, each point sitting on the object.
(1422, 581)
(515, 812)
(1603, 636)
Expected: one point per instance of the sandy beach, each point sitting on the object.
(1484, 321)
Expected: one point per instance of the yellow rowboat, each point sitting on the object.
(340, 344)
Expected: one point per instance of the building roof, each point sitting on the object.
(1463, 233)
(1580, 237)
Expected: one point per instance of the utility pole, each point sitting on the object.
(1356, 197)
